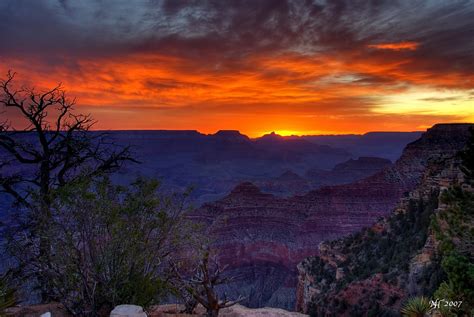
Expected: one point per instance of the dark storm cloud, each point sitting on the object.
(265, 24)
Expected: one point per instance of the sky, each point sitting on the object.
(294, 67)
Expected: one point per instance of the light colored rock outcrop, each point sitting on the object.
(241, 311)
(128, 311)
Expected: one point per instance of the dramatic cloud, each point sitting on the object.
(334, 66)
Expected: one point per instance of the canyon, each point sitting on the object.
(213, 164)
(293, 194)
(262, 238)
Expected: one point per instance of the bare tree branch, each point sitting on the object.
(56, 145)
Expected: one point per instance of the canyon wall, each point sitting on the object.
(377, 268)
(262, 238)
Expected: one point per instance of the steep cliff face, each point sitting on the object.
(375, 269)
(262, 238)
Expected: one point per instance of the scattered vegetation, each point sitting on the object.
(454, 229)
(450, 274)
(388, 252)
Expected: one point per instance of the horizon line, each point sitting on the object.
(276, 132)
(281, 133)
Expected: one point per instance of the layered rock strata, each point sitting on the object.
(262, 238)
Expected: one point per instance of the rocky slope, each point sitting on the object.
(262, 238)
(347, 172)
(290, 183)
(287, 184)
(374, 270)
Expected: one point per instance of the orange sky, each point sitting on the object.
(372, 84)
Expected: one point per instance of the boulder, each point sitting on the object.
(242, 311)
(128, 311)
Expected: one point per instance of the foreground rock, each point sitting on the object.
(233, 311)
(240, 311)
(54, 309)
(128, 311)
(171, 310)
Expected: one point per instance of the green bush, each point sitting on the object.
(109, 245)
(416, 307)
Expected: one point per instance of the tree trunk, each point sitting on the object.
(42, 224)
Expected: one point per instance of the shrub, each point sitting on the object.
(416, 307)
(108, 245)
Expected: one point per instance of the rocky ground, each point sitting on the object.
(171, 310)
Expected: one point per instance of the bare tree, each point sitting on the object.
(54, 146)
(48, 147)
(202, 285)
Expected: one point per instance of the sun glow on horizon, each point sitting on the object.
(299, 133)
